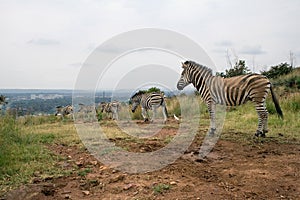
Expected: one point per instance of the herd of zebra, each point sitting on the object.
(213, 90)
(112, 108)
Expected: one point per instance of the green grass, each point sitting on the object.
(243, 120)
(160, 188)
(21, 155)
(24, 152)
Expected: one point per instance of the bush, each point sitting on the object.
(278, 70)
(240, 68)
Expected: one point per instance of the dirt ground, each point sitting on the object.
(233, 170)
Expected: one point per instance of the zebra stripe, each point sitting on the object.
(149, 101)
(111, 107)
(64, 111)
(232, 91)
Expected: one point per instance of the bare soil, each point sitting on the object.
(232, 170)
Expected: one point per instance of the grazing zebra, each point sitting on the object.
(149, 101)
(111, 107)
(229, 91)
(63, 111)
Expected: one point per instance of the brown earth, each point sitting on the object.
(232, 170)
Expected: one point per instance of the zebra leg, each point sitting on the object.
(154, 113)
(144, 114)
(262, 121)
(164, 113)
(117, 115)
(265, 123)
(212, 112)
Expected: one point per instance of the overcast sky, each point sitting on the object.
(44, 43)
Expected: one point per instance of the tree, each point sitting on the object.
(278, 70)
(240, 68)
(153, 89)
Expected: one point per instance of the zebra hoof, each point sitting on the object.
(260, 134)
(146, 120)
(212, 131)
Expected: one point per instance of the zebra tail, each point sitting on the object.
(276, 103)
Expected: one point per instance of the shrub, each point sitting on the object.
(278, 70)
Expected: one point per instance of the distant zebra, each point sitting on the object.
(64, 111)
(229, 91)
(111, 107)
(2, 101)
(85, 108)
(149, 101)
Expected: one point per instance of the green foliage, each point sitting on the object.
(153, 89)
(160, 188)
(240, 68)
(99, 116)
(278, 70)
(84, 172)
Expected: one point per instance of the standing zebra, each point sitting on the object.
(149, 101)
(111, 107)
(64, 111)
(229, 91)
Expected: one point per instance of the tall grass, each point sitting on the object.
(22, 154)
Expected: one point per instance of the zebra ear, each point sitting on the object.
(183, 65)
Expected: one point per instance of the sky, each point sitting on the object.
(45, 43)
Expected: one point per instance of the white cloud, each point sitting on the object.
(43, 42)
(252, 50)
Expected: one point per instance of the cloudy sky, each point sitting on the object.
(44, 43)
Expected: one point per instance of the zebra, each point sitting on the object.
(149, 101)
(85, 108)
(64, 111)
(110, 107)
(232, 91)
(2, 101)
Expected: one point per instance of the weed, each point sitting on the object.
(160, 188)
(84, 172)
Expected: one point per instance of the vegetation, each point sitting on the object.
(240, 68)
(278, 70)
(160, 188)
(23, 149)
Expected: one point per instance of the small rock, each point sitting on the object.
(117, 178)
(173, 183)
(86, 192)
(67, 196)
(128, 186)
(94, 162)
(79, 163)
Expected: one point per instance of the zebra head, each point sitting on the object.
(185, 76)
(135, 100)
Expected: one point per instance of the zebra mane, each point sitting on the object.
(138, 93)
(194, 64)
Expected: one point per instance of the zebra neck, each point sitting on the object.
(201, 79)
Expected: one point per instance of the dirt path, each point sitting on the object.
(231, 171)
